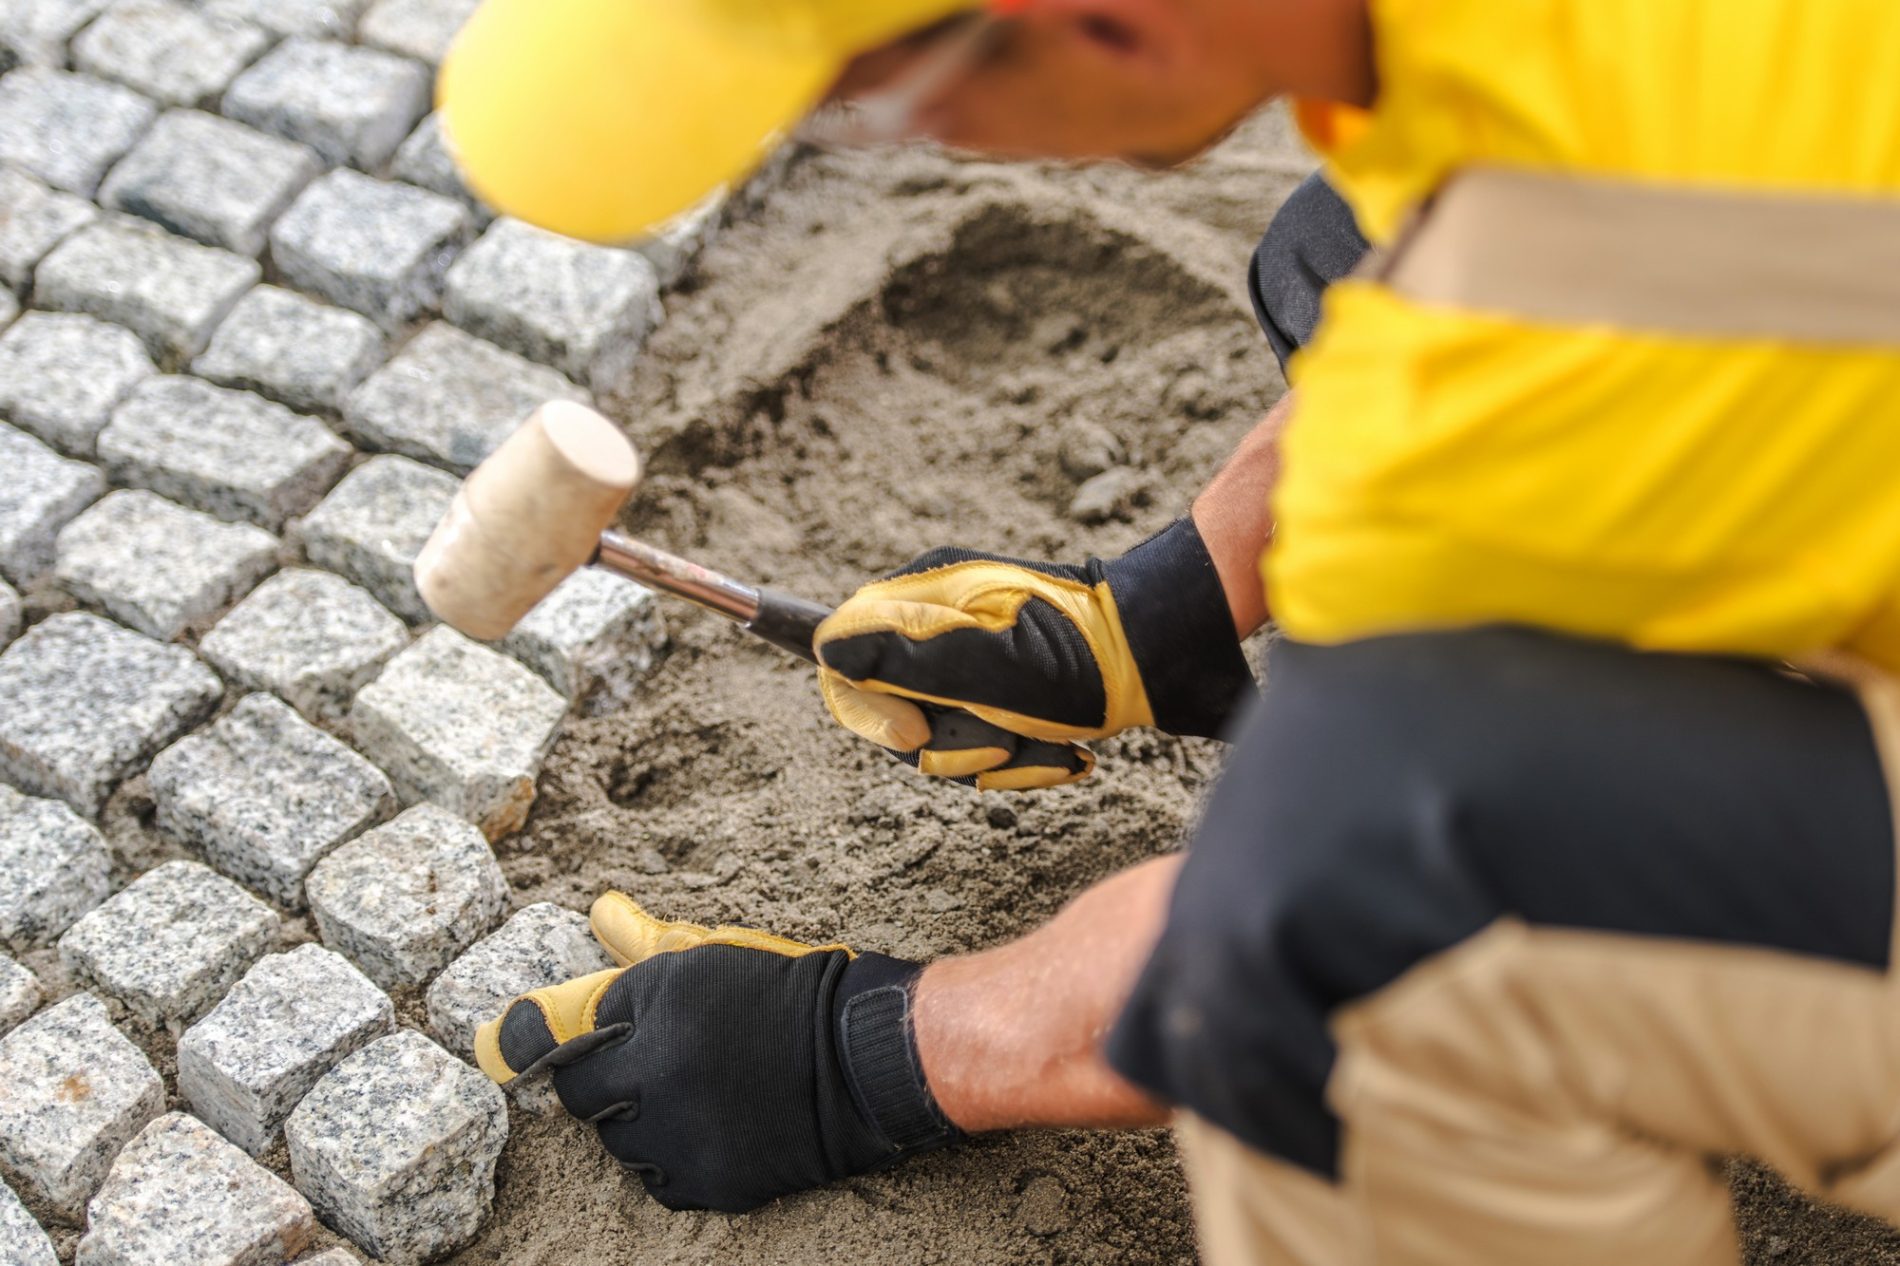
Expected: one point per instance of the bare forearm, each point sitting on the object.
(1012, 1037)
(1236, 519)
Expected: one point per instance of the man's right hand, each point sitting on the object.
(1058, 655)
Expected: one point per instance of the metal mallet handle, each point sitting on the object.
(787, 622)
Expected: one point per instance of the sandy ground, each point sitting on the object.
(896, 352)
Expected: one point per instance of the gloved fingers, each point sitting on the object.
(1037, 766)
(1037, 674)
(548, 1026)
(892, 723)
(630, 935)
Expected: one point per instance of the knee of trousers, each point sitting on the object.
(1392, 801)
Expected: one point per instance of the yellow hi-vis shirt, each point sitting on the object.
(1449, 468)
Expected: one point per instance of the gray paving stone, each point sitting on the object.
(209, 179)
(229, 453)
(323, 19)
(335, 1257)
(673, 250)
(257, 1054)
(543, 944)
(311, 638)
(352, 105)
(403, 900)
(594, 639)
(9, 308)
(36, 31)
(167, 51)
(460, 726)
(68, 129)
(582, 308)
(372, 526)
(262, 794)
(19, 994)
(22, 1241)
(157, 566)
(450, 398)
(12, 614)
(378, 247)
(171, 943)
(179, 1193)
(397, 1147)
(170, 291)
(88, 703)
(54, 866)
(295, 350)
(425, 161)
(44, 492)
(422, 29)
(62, 374)
(73, 1091)
(33, 220)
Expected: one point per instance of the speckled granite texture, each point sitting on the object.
(397, 1148)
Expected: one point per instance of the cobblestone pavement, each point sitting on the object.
(252, 330)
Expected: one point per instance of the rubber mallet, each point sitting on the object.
(537, 511)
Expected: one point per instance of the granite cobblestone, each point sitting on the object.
(373, 524)
(450, 398)
(88, 703)
(62, 374)
(378, 247)
(179, 1193)
(23, 1242)
(310, 637)
(397, 1147)
(209, 179)
(170, 291)
(262, 795)
(19, 994)
(251, 1060)
(403, 900)
(34, 218)
(169, 52)
(422, 29)
(57, 1146)
(351, 104)
(68, 129)
(54, 866)
(584, 309)
(293, 349)
(157, 566)
(461, 726)
(228, 453)
(170, 943)
(36, 32)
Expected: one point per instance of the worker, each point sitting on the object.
(1537, 880)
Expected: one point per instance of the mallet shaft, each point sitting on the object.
(657, 569)
(786, 621)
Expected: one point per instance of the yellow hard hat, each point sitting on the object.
(603, 119)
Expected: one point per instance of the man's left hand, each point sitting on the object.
(726, 1066)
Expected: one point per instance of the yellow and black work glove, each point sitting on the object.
(1055, 655)
(726, 1066)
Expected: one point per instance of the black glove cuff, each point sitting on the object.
(879, 1049)
(1181, 631)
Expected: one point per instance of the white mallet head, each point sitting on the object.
(526, 519)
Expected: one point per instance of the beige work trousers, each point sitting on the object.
(1540, 1097)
